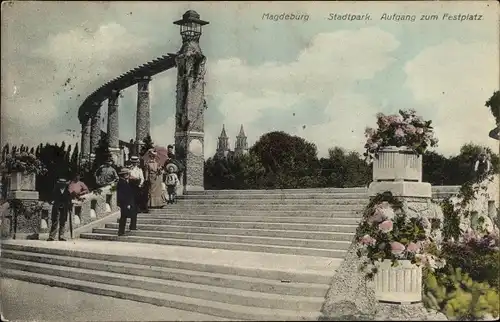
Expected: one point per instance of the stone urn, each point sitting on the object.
(399, 284)
(397, 164)
(21, 181)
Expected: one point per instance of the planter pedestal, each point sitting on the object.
(401, 284)
(22, 188)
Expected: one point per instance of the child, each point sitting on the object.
(172, 182)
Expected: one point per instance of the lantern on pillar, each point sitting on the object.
(190, 25)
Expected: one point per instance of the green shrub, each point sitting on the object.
(454, 293)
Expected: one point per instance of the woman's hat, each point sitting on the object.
(151, 151)
(171, 165)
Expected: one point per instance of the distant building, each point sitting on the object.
(223, 148)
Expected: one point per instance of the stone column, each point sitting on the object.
(190, 108)
(85, 143)
(113, 126)
(142, 125)
(95, 128)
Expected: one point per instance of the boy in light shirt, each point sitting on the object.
(171, 182)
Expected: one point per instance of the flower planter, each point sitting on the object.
(20, 181)
(400, 284)
(397, 164)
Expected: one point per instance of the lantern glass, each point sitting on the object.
(190, 29)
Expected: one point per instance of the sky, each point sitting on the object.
(321, 79)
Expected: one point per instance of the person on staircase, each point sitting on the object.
(126, 201)
(171, 182)
(61, 206)
(482, 167)
(137, 182)
(106, 174)
(154, 178)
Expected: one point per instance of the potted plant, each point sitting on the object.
(397, 145)
(23, 168)
(395, 246)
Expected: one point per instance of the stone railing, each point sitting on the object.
(92, 207)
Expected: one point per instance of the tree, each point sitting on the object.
(74, 159)
(148, 144)
(102, 153)
(434, 168)
(287, 160)
(494, 104)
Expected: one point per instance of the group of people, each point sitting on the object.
(137, 190)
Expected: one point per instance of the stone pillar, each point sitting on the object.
(113, 126)
(190, 108)
(142, 124)
(85, 143)
(95, 128)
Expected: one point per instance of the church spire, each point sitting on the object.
(242, 132)
(223, 132)
(241, 142)
(223, 143)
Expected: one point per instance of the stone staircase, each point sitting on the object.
(300, 222)
(251, 255)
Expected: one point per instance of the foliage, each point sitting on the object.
(344, 169)
(456, 294)
(102, 153)
(476, 254)
(494, 104)
(386, 232)
(286, 158)
(148, 144)
(403, 129)
(22, 162)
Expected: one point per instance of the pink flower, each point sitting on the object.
(419, 130)
(386, 226)
(410, 129)
(395, 119)
(399, 133)
(397, 248)
(413, 247)
(367, 240)
(373, 146)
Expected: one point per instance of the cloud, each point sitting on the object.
(67, 68)
(451, 82)
(326, 71)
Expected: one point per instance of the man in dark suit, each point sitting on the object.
(61, 205)
(126, 201)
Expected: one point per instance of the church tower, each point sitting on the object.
(241, 143)
(223, 143)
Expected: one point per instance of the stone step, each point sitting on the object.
(345, 228)
(272, 212)
(284, 196)
(196, 259)
(341, 236)
(272, 202)
(259, 207)
(175, 274)
(332, 253)
(231, 311)
(206, 292)
(360, 190)
(275, 241)
(167, 219)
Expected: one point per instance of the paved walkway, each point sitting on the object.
(23, 301)
(233, 258)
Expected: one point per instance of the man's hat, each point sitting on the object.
(62, 180)
(170, 146)
(134, 159)
(124, 171)
(171, 165)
